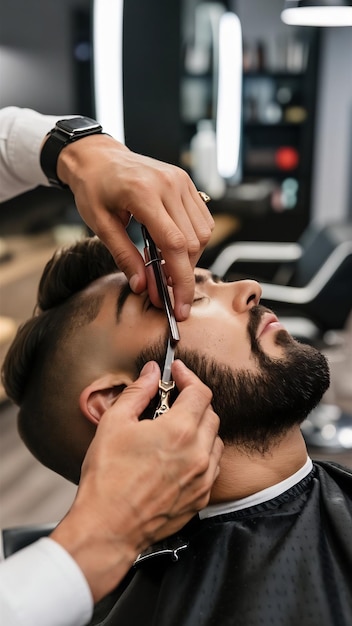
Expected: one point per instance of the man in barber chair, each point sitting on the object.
(275, 544)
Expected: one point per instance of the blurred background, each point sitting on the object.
(259, 113)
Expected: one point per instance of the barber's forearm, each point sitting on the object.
(21, 136)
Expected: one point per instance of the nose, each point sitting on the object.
(246, 294)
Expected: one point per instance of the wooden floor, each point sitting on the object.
(30, 493)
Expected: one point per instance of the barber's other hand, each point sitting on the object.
(141, 480)
(110, 183)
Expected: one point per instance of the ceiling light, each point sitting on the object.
(317, 13)
(108, 70)
(229, 102)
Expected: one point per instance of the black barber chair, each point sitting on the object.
(311, 292)
(311, 286)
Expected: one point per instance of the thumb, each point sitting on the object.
(136, 397)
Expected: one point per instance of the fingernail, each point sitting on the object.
(185, 311)
(134, 282)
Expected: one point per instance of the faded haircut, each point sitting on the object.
(31, 370)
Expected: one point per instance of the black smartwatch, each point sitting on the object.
(66, 131)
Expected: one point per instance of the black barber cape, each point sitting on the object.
(286, 562)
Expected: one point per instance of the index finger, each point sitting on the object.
(180, 259)
(181, 235)
(191, 389)
(178, 267)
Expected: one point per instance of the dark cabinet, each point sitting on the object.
(272, 200)
(279, 113)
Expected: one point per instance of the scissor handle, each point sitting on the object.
(164, 402)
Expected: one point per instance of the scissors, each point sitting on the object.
(166, 384)
(153, 257)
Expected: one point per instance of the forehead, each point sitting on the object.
(118, 280)
(115, 281)
(117, 289)
(112, 288)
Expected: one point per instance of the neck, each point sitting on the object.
(243, 474)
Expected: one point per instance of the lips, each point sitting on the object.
(268, 322)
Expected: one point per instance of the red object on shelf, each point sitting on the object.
(286, 158)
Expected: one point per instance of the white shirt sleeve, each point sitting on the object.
(42, 585)
(21, 134)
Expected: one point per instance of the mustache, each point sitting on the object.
(255, 316)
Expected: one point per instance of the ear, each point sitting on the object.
(101, 394)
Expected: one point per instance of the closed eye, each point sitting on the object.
(198, 299)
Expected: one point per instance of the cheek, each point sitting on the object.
(124, 350)
(127, 346)
(221, 338)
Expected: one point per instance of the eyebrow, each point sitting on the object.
(125, 292)
(200, 279)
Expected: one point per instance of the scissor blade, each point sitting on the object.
(166, 384)
(153, 257)
(169, 358)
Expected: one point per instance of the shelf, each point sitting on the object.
(270, 173)
(274, 75)
(278, 125)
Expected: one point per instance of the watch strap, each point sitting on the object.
(56, 141)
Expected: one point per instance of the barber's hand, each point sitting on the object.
(110, 183)
(141, 480)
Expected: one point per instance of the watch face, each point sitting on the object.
(77, 125)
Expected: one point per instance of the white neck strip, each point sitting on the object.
(261, 496)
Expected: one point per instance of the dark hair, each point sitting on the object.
(28, 374)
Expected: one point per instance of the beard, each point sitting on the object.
(257, 409)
